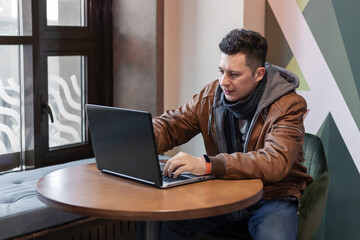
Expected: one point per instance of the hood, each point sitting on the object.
(280, 79)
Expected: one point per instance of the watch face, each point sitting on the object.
(206, 157)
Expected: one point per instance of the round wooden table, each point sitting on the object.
(84, 190)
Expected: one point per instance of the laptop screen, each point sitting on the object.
(123, 142)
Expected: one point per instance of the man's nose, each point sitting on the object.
(224, 80)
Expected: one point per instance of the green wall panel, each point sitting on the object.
(342, 219)
(321, 18)
(348, 18)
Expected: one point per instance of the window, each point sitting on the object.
(65, 13)
(55, 56)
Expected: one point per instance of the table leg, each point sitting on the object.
(149, 230)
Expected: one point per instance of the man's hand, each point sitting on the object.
(183, 162)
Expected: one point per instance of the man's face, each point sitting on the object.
(236, 78)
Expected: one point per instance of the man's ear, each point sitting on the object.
(259, 73)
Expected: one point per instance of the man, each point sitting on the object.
(251, 120)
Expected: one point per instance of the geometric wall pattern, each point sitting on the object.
(319, 41)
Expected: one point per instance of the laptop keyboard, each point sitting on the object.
(171, 179)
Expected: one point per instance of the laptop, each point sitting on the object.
(124, 145)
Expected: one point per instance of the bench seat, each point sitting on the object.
(21, 212)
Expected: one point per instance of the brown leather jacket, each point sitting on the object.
(273, 146)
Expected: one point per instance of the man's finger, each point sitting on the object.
(167, 165)
(173, 167)
(179, 171)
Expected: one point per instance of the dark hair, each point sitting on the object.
(248, 42)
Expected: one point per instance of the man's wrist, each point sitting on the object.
(207, 164)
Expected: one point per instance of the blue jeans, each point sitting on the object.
(267, 219)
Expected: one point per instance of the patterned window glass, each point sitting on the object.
(16, 94)
(66, 100)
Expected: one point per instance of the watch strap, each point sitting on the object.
(207, 163)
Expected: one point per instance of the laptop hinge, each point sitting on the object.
(126, 176)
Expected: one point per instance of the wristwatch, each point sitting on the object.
(207, 163)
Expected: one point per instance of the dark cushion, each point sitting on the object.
(313, 200)
(315, 156)
(21, 212)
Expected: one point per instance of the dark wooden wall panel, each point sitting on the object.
(138, 54)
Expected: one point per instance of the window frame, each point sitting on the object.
(95, 42)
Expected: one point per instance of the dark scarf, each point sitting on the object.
(243, 110)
